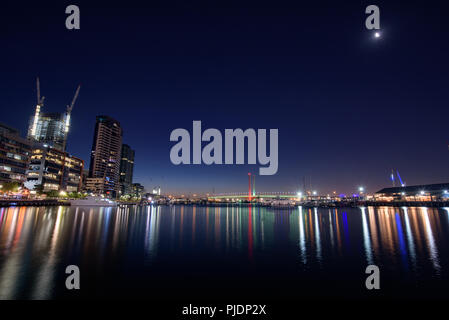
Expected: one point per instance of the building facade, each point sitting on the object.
(54, 170)
(48, 129)
(96, 186)
(106, 154)
(15, 153)
(126, 169)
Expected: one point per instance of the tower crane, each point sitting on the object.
(67, 115)
(39, 105)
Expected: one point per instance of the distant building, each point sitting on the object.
(425, 192)
(106, 154)
(55, 170)
(157, 191)
(15, 154)
(126, 169)
(138, 190)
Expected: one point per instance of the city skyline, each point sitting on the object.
(225, 158)
(349, 108)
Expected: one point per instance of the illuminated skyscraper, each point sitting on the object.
(106, 154)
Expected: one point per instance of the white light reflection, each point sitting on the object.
(152, 232)
(411, 245)
(431, 241)
(317, 237)
(366, 238)
(331, 229)
(302, 240)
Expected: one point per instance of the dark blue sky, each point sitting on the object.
(348, 108)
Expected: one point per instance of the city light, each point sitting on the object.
(361, 189)
(421, 192)
(314, 193)
(377, 35)
(299, 194)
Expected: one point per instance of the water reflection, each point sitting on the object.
(367, 238)
(36, 244)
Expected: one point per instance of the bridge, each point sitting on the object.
(254, 195)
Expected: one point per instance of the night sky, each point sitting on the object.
(348, 107)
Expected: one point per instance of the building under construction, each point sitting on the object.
(50, 129)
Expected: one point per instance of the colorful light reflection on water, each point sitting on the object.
(126, 251)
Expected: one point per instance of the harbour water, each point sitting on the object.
(173, 252)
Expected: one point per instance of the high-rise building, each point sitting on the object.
(50, 129)
(126, 169)
(55, 170)
(106, 154)
(15, 154)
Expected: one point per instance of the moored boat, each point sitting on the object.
(93, 201)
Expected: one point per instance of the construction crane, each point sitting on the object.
(40, 101)
(67, 115)
(39, 105)
(70, 107)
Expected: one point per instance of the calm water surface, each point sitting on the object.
(229, 252)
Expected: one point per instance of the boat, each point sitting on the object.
(93, 201)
